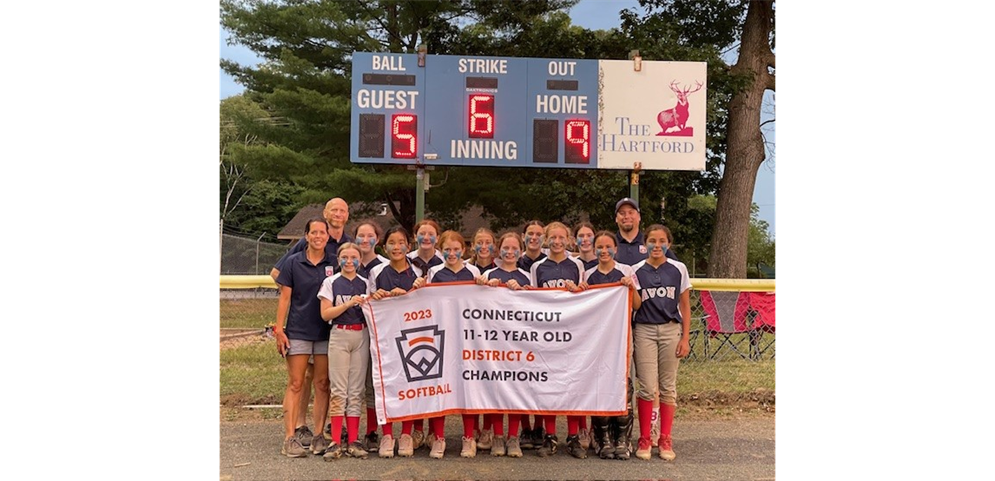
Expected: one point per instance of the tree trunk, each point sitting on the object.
(745, 151)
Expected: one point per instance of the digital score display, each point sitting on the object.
(517, 112)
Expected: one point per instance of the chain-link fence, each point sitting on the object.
(733, 330)
(243, 256)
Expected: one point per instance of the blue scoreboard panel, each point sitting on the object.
(512, 112)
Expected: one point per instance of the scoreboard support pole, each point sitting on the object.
(634, 180)
(419, 193)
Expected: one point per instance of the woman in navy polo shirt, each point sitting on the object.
(300, 332)
(660, 337)
(395, 278)
(348, 349)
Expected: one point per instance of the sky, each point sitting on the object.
(591, 14)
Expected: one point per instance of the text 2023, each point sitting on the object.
(417, 315)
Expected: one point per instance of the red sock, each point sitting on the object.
(336, 428)
(469, 422)
(371, 420)
(666, 418)
(550, 422)
(573, 424)
(497, 423)
(513, 424)
(420, 425)
(439, 427)
(583, 422)
(352, 423)
(406, 427)
(388, 429)
(538, 421)
(645, 418)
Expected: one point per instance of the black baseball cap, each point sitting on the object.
(626, 201)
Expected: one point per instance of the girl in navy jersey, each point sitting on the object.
(507, 273)
(306, 335)
(556, 270)
(584, 233)
(483, 250)
(533, 245)
(395, 278)
(348, 349)
(611, 434)
(660, 337)
(367, 235)
(453, 270)
(426, 255)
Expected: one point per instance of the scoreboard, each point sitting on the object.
(527, 112)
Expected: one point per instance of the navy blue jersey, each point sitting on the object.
(364, 270)
(340, 290)
(634, 252)
(385, 277)
(304, 322)
(424, 265)
(444, 274)
(504, 276)
(331, 250)
(525, 262)
(594, 277)
(660, 289)
(484, 268)
(549, 273)
(589, 264)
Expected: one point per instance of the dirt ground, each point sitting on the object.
(700, 405)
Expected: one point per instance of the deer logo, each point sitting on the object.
(673, 121)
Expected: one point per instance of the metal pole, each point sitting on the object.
(257, 252)
(634, 181)
(419, 194)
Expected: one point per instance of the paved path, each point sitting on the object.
(734, 449)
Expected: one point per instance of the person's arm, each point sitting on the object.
(684, 345)
(275, 272)
(282, 307)
(330, 312)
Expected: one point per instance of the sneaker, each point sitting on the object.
(667, 448)
(585, 438)
(356, 450)
(304, 436)
(498, 449)
(514, 447)
(372, 441)
(574, 447)
(527, 439)
(405, 446)
(623, 448)
(386, 449)
(469, 448)
(332, 452)
(549, 444)
(438, 448)
(418, 438)
(645, 449)
(318, 444)
(292, 448)
(486, 440)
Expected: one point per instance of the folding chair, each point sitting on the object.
(726, 319)
(763, 304)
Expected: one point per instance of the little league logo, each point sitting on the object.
(421, 349)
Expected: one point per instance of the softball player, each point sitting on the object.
(557, 270)
(584, 233)
(533, 245)
(660, 337)
(482, 255)
(611, 434)
(348, 350)
(395, 278)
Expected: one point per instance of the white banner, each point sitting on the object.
(460, 348)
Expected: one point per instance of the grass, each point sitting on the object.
(247, 313)
(253, 374)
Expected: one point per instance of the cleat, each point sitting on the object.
(645, 449)
(332, 452)
(405, 446)
(574, 447)
(667, 448)
(438, 448)
(372, 441)
(549, 444)
(498, 448)
(386, 449)
(514, 447)
(356, 450)
(418, 439)
(469, 449)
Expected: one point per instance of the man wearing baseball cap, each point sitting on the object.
(631, 246)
